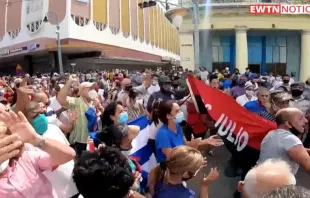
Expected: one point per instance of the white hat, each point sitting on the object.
(248, 84)
(85, 85)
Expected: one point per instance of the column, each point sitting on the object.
(187, 50)
(305, 57)
(241, 48)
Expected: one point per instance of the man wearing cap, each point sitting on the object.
(78, 136)
(298, 101)
(248, 96)
(279, 100)
(164, 94)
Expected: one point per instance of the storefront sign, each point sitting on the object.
(83, 1)
(16, 50)
(33, 47)
(187, 45)
(5, 52)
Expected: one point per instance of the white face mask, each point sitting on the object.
(4, 166)
(126, 153)
(92, 94)
(249, 92)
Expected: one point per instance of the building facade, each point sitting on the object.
(231, 37)
(115, 32)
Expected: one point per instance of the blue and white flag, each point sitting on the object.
(141, 149)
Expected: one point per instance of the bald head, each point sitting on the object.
(126, 81)
(285, 115)
(289, 118)
(266, 176)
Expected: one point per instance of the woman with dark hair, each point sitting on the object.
(156, 124)
(113, 176)
(170, 134)
(121, 136)
(113, 114)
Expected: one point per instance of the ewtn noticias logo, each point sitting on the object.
(279, 9)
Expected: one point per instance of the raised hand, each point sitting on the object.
(9, 144)
(213, 175)
(73, 116)
(18, 124)
(195, 142)
(215, 141)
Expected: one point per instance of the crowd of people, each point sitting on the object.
(66, 136)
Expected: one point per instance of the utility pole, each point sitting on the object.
(195, 17)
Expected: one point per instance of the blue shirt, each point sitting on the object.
(163, 190)
(166, 138)
(227, 83)
(254, 106)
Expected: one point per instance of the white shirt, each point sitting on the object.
(61, 178)
(242, 100)
(153, 88)
(154, 129)
(54, 104)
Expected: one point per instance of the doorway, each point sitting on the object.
(255, 68)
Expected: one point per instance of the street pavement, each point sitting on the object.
(224, 187)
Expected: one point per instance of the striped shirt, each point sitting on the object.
(267, 116)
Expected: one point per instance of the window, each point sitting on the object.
(99, 26)
(255, 68)
(80, 21)
(220, 52)
(276, 55)
(277, 68)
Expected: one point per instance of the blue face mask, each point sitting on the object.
(40, 124)
(179, 118)
(1, 91)
(123, 118)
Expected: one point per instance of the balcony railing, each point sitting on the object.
(188, 3)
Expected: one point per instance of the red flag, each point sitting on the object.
(235, 123)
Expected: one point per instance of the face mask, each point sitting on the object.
(296, 92)
(278, 78)
(12, 85)
(294, 130)
(155, 82)
(126, 153)
(167, 87)
(92, 94)
(123, 118)
(1, 92)
(286, 81)
(241, 83)
(40, 124)
(4, 166)
(249, 92)
(128, 88)
(179, 118)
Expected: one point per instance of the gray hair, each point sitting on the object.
(254, 188)
(289, 191)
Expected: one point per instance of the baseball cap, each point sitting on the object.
(164, 79)
(85, 85)
(281, 96)
(248, 84)
(298, 84)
